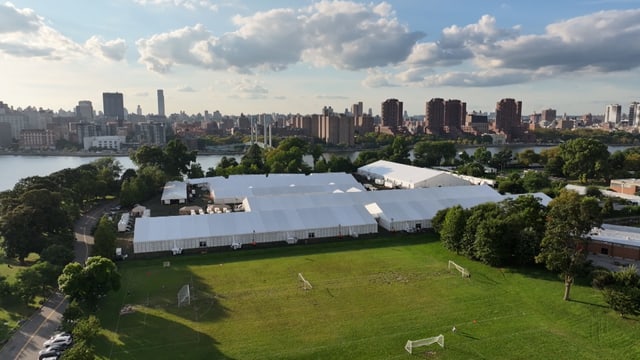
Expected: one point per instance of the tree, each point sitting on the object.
(58, 255)
(340, 164)
(178, 159)
(398, 151)
(433, 153)
(501, 159)
(105, 238)
(584, 158)
(533, 181)
(36, 280)
(564, 246)
(621, 289)
(80, 350)
(452, 228)
(482, 155)
(528, 157)
(89, 283)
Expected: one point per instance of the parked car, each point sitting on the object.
(60, 339)
(47, 354)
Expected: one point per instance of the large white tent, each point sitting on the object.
(235, 188)
(209, 230)
(409, 177)
(331, 205)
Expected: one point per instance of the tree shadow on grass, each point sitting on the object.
(142, 335)
(589, 303)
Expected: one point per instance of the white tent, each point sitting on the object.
(409, 177)
(174, 191)
(193, 232)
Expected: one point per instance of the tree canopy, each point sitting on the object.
(564, 246)
(87, 284)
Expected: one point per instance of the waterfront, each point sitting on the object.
(16, 167)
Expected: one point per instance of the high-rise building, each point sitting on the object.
(634, 114)
(434, 116)
(613, 113)
(392, 113)
(548, 115)
(138, 110)
(508, 117)
(161, 102)
(84, 110)
(113, 106)
(357, 110)
(455, 112)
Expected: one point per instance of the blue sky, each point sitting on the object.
(296, 56)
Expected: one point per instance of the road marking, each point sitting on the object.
(39, 327)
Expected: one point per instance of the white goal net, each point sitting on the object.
(463, 271)
(424, 342)
(184, 295)
(305, 284)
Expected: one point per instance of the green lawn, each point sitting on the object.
(369, 297)
(12, 310)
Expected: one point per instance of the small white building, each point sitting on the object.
(174, 192)
(103, 142)
(403, 176)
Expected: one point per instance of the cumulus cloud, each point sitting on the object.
(596, 43)
(112, 49)
(26, 35)
(342, 34)
(13, 19)
(185, 88)
(376, 78)
(248, 89)
(187, 4)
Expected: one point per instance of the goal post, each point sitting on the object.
(306, 285)
(410, 345)
(463, 271)
(184, 295)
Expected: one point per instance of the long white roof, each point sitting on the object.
(616, 234)
(151, 229)
(241, 186)
(407, 174)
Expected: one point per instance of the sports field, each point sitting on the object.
(369, 297)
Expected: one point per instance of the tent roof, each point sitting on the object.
(228, 224)
(174, 190)
(241, 186)
(402, 172)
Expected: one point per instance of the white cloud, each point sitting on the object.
(112, 49)
(248, 89)
(602, 42)
(27, 35)
(185, 88)
(376, 78)
(342, 34)
(187, 4)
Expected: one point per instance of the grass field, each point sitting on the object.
(369, 297)
(12, 310)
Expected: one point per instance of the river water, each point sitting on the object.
(16, 167)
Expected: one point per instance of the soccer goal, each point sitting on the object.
(424, 342)
(305, 284)
(463, 271)
(184, 295)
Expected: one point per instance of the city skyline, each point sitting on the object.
(299, 56)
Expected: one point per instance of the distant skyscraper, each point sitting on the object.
(434, 116)
(508, 117)
(161, 102)
(548, 115)
(613, 113)
(113, 106)
(139, 110)
(357, 110)
(455, 112)
(392, 113)
(634, 113)
(84, 110)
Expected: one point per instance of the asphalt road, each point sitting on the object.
(27, 341)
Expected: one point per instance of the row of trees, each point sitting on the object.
(521, 232)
